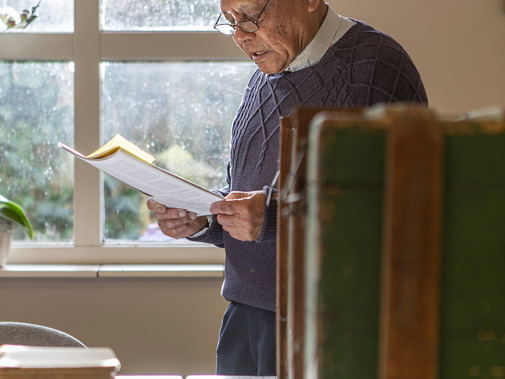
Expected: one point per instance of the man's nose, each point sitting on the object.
(240, 36)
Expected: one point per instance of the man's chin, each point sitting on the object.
(268, 69)
(268, 62)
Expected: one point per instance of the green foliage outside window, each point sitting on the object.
(181, 112)
(36, 110)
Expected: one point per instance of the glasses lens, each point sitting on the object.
(225, 29)
(248, 26)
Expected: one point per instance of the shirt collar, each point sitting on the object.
(332, 29)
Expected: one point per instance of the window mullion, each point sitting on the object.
(25, 46)
(168, 45)
(87, 201)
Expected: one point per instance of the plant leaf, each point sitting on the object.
(13, 212)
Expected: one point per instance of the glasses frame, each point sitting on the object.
(238, 24)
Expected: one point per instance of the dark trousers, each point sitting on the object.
(246, 342)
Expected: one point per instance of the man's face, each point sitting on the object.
(285, 28)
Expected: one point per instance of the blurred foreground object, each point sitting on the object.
(391, 251)
(28, 362)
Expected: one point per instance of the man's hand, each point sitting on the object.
(241, 214)
(176, 223)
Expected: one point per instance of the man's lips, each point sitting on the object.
(258, 55)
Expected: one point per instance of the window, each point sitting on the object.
(53, 16)
(122, 15)
(182, 112)
(153, 71)
(37, 108)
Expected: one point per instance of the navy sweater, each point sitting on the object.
(363, 68)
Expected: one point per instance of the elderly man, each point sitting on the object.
(306, 55)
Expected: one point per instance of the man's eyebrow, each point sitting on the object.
(245, 9)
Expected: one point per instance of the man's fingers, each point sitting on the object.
(175, 222)
(163, 213)
(232, 203)
(181, 229)
(227, 221)
(155, 206)
(241, 214)
(172, 223)
(174, 231)
(223, 207)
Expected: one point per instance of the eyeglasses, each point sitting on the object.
(246, 26)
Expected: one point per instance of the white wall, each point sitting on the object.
(155, 326)
(457, 45)
(171, 325)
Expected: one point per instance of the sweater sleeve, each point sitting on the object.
(269, 230)
(214, 233)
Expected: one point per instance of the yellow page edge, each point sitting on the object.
(119, 142)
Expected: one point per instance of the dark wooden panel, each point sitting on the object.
(411, 256)
(395, 235)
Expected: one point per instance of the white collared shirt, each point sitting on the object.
(332, 29)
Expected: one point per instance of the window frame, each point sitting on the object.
(88, 47)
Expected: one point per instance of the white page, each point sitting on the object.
(163, 186)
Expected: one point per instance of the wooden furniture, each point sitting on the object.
(48, 362)
(391, 245)
(148, 377)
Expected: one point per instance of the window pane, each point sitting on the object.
(123, 15)
(54, 16)
(37, 111)
(181, 112)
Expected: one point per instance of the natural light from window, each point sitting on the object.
(153, 71)
(36, 110)
(180, 112)
(53, 16)
(152, 15)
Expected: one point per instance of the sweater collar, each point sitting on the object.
(332, 29)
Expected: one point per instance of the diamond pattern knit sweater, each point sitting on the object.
(363, 68)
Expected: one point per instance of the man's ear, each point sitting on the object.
(313, 5)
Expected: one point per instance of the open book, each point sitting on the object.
(128, 163)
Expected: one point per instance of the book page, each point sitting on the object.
(163, 186)
(117, 142)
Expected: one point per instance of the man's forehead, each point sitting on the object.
(241, 6)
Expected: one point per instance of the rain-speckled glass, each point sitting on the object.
(36, 112)
(129, 15)
(180, 112)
